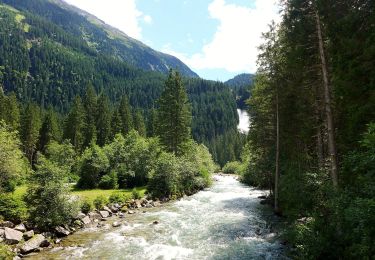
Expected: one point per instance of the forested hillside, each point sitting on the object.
(241, 86)
(50, 54)
(311, 138)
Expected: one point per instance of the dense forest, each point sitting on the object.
(312, 133)
(45, 60)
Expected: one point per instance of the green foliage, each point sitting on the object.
(174, 115)
(30, 125)
(103, 120)
(136, 194)
(109, 181)
(48, 200)
(12, 208)
(49, 131)
(86, 206)
(100, 202)
(6, 252)
(233, 168)
(119, 197)
(92, 166)
(62, 154)
(13, 166)
(74, 125)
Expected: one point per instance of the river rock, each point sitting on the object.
(116, 224)
(61, 232)
(155, 222)
(106, 208)
(113, 209)
(121, 215)
(94, 215)
(7, 224)
(155, 203)
(2, 232)
(86, 220)
(21, 227)
(33, 244)
(12, 236)
(131, 212)
(104, 213)
(80, 215)
(28, 235)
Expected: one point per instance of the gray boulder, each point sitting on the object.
(21, 227)
(104, 213)
(86, 220)
(33, 244)
(131, 212)
(12, 236)
(28, 235)
(94, 215)
(107, 209)
(116, 224)
(7, 224)
(62, 232)
(2, 232)
(80, 215)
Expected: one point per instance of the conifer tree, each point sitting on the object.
(124, 112)
(30, 125)
(174, 114)
(139, 123)
(90, 105)
(74, 125)
(103, 120)
(50, 130)
(115, 123)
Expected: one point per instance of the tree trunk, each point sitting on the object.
(328, 106)
(276, 195)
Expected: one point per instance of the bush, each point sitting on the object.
(109, 181)
(232, 168)
(86, 206)
(48, 200)
(99, 202)
(6, 252)
(136, 194)
(12, 208)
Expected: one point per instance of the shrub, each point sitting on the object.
(86, 206)
(12, 208)
(6, 252)
(232, 167)
(136, 194)
(119, 197)
(99, 202)
(109, 181)
(48, 200)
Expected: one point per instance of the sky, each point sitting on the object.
(217, 39)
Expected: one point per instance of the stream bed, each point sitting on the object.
(225, 221)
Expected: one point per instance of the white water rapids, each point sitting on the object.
(225, 221)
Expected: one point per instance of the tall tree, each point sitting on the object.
(90, 105)
(103, 120)
(30, 125)
(139, 123)
(125, 114)
(74, 125)
(174, 114)
(50, 130)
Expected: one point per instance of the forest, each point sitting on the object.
(312, 134)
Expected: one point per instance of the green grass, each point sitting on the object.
(89, 195)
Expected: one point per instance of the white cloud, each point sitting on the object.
(147, 19)
(123, 14)
(234, 45)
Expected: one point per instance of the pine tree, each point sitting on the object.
(12, 112)
(30, 125)
(139, 123)
(115, 123)
(74, 124)
(124, 112)
(103, 120)
(90, 105)
(174, 115)
(50, 130)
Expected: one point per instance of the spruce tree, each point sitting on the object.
(90, 105)
(74, 125)
(124, 112)
(103, 120)
(174, 115)
(30, 125)
(139, 123)
(49, 131)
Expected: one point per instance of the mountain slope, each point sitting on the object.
(101, 37)
(241, 86)
(240, 80)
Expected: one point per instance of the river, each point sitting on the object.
(225, 221)
(244, 121)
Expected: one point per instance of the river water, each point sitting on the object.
(225, 221)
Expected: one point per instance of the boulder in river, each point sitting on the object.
(62, 232)
(21, 227)
(28, 235)
(80, 215)
(33, 244)
(12, 236)
(107, 209)
(131, 212)
(104, 213)
(86, 220)
(7, 224)
(94, 215)
(116, 224)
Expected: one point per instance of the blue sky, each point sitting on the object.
(218, 39)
